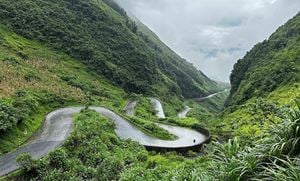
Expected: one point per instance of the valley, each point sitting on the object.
(59, 124)
(88, 92)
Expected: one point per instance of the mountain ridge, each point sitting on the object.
(271, 64)
(108, 42)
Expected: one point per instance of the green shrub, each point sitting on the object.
(58, 159)
(23, 105)
(8, 116)
(27, 162)
(93, 151)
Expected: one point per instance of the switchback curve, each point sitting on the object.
(59, 124)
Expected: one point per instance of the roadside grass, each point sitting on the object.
(257, 115)
(26, 65)
(62, 81)
(22, 133)
(273, 156)
(144, 109)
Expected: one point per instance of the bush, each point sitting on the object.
(58, 159)
(8, 116)
(26, 103)
(27, 162)
(23, 105)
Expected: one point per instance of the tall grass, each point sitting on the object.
(275, 156)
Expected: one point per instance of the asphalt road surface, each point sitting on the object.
(59, 124)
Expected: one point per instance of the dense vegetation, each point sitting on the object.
(99, 154)
(264, 83)
(35, 80)
(92, 151)
(23, 106)
(149, 127)
(100, 34)
(270, 65)
(256, 137)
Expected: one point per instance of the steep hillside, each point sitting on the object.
(270, 66)
(35, 80)
(175, 62)
(100, 34)
(264, 83)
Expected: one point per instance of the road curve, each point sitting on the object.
(157, 107)
(187, 109)
(59, 124)
(209, 96)
(129, 108)
(183, 113)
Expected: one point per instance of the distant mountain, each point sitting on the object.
(101, 35)
(271, 66)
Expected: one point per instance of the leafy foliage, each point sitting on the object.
(100, 34)
(92, 151)
(45, 80)
(23, 105)
(7, 116)
(272, 64)
(151, 128)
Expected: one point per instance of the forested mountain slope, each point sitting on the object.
(70, 44)
(264, 83)
(174, 61)
(100, 34)
(270, 66)
(35, 80)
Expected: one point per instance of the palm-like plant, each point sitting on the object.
(270, 158)
(281, 170)
(287, 136)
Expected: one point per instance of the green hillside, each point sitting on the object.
(60, 53)
(175, 62)
(269, 67)
(264, 83)
(35, 80)
(100, 34)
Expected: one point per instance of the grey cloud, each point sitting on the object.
(212, 34)
(230, 22)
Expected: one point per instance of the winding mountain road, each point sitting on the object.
(59, 124)
(209, 96)
(187, 109)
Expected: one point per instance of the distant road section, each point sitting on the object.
(130, 106)
(183, 113)
(157, 107)
(199, 99)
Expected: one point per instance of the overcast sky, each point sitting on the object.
(212, 34)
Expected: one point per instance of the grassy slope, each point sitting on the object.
(60, 79)
(47, 70)
(264, 81)
(240, 159)
(257, 114)
(269, 66)
(104, 39)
